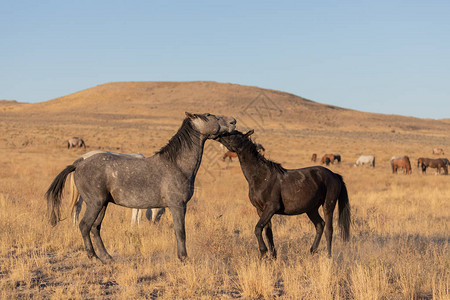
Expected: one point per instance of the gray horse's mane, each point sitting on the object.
(186, 136)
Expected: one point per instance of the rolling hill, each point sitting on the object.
(254, 106)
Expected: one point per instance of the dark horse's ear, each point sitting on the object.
(249, 133)
(190, 116)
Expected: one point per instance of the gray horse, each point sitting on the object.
(75, 142)
(165, 179)
(153, 214)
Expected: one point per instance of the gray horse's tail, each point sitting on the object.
(74, 196)
(344, 211)
(54, 193)
(373, 163)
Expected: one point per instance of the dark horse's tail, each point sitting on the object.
(344, 211)
(54, 193)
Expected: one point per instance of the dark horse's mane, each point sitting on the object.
(248, 144)
(185, 136)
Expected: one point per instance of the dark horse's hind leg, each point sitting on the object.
(101, 250)
(85, 227)
(319, 224)
(328, 215)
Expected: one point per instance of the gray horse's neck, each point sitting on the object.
(189, 158)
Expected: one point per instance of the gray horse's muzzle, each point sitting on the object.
(227, 124)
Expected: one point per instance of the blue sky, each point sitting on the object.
(382, 56)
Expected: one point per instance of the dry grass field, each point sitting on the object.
(399, 247)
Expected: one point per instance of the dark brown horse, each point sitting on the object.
(276, 190)
(401, 162)
(437, 163)
(230, 155)
(314, 157)
(331, 157)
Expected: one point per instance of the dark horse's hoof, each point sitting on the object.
(268, 255)
(313, 251)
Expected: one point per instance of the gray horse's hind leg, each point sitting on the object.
(101, 250)
(319, 224)
(178, 215)
(86, 223)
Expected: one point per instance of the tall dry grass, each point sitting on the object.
(399, 247)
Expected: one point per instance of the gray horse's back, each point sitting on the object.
(129, 181)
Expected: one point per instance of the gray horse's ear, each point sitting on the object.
(189, 115)
(249, 133)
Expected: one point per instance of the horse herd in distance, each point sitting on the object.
(397, 162)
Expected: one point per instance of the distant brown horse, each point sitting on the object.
(401, 162)
(438, 151)
(314, 157)
(437, 163)
(75, 142)
(230, 155)
(332, 158)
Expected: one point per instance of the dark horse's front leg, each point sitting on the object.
(269, 236)
(264, 220)
(178, 215)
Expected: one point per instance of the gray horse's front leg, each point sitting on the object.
(178, 215)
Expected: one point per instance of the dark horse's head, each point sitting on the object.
(240, 143)
(235, 141)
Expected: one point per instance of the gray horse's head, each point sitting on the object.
(211, 125)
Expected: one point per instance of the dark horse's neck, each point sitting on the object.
(253, 164)
(185, 149)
